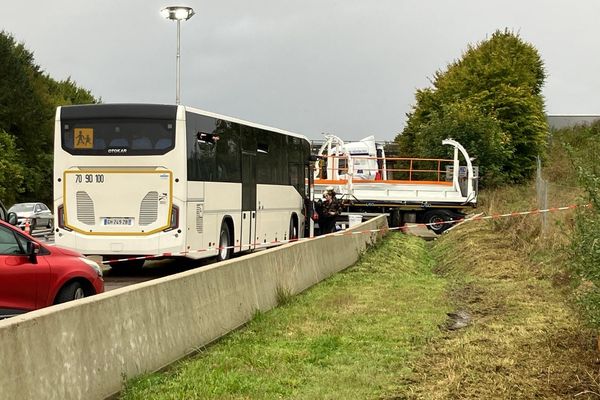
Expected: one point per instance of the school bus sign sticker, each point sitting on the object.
(84, 138)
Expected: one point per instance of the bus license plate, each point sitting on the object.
(117, 221)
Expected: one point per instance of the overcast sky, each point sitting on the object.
(348, 67)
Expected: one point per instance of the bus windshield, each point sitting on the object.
(133, 137)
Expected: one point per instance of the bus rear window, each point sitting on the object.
(135, 137)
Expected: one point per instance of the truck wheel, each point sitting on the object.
(436, 220)
(395, 219)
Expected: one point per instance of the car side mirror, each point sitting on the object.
(33, 249)
(12, 218)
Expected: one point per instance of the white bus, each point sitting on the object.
(137, 180)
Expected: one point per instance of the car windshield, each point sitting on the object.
(22, 207)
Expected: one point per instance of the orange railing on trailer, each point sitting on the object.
(411, 171)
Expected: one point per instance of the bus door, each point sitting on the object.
(248, 231)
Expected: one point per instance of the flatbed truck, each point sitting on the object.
(422, 190)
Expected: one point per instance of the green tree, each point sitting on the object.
(28, 101)
(489, 100)
(11, 169)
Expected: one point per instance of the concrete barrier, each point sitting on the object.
(85, 349)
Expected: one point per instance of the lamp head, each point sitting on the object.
(177, 13)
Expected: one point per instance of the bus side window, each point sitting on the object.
(228, 152)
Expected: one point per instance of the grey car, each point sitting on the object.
(38, 214)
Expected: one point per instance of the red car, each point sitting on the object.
(34, 275)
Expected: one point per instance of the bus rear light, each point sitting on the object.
(60, 218)
(174, 223)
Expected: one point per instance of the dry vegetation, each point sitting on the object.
(526, 339)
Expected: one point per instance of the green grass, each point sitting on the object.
(352, 336)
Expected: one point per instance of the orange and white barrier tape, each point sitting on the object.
(498, 216)
(346, 232)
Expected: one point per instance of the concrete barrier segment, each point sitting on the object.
(85, 349)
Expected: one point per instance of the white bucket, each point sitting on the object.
(354, 220)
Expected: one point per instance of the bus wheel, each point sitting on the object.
(436, 220)
(293, 229)
(224, 243)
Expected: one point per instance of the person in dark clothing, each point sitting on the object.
(328, 211)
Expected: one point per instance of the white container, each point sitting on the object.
(354, 220)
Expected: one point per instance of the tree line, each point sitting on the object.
(28, 101)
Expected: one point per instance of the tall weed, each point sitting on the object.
(583, 147)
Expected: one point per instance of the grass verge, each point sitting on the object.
(351, 336)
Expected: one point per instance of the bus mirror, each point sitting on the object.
(209, 138)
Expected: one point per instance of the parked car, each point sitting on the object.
(34, 275)
(38, 215)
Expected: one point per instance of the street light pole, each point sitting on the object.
(177, 13)
(178, 71)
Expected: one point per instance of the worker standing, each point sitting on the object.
(329, 210)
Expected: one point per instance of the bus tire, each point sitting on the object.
(435, 220)
(293, 235)
(225, 249)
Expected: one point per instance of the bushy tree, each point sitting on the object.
(28, 100)
(11, 169)
(490, 101)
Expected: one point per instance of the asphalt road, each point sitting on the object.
(152, 269)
